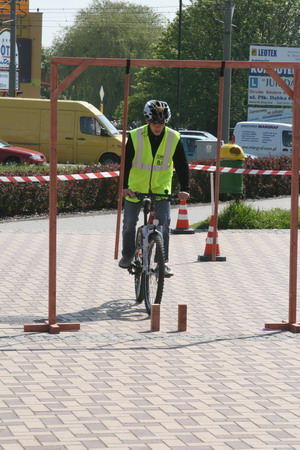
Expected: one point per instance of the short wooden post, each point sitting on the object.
(155, 317)
(182, 317)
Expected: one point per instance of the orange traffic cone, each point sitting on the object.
(182, 226)
(209, 245)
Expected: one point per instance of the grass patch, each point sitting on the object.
(237, 216)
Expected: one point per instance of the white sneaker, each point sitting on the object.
(168, 272)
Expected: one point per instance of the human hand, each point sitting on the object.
(183, 196)
(128, 193)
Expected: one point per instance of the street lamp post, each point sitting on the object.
(179, 57)
(228, 13)
(12, 61)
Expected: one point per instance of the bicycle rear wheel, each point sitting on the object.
(138, 267)
(155, 276)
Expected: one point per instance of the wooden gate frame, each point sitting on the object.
(82, 64)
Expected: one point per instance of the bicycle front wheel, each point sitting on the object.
(155, 275)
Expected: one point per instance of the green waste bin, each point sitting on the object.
(231, 155)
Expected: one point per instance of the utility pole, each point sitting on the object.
(228, 13)
(179, 57)
(12, 62)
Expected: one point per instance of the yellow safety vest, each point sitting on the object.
(150, 174)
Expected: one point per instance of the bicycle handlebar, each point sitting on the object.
(141, 195)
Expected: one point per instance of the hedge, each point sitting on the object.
(23, 199)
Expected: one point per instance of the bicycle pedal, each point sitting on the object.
(132, 269)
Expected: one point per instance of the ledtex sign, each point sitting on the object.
(5, 60)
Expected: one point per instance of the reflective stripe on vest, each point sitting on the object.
(148, 173)
(139, 152)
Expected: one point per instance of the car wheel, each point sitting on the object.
(12, 161)
(109, 158)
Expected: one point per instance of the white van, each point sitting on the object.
(264, 138)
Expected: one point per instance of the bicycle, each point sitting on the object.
(148, 265)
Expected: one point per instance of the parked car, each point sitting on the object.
(15, 156)
(205, 134)
(199, 147)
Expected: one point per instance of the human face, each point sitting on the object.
(156, 128)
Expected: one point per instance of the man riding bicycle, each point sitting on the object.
(152, 151)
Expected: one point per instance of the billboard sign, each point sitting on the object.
(5, 60)
(22, 7)
(263, 90)
(280, 115)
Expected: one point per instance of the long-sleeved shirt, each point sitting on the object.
(179, 159)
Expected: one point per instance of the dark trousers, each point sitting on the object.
(130, 218)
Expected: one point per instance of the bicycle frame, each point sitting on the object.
(148, 266)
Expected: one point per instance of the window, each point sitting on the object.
(25, 57)
(287, 138)
(89, 125)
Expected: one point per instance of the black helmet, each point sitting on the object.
(157, 111)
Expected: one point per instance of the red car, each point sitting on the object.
(15, 156)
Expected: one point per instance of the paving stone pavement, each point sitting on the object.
(226, 383)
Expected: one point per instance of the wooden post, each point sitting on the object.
(120, 192)
(182, 317)
(155, 317)
(217, 176)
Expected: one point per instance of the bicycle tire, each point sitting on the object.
(155, 275)
(138, 267)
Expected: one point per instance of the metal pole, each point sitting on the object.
(179, 57)
(12, 62)
(228, 13)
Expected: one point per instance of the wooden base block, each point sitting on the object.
(284, 326)
(155, 317)
(54, 328)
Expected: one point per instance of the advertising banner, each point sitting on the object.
(5, 60)
(262, 89)
(279, 115)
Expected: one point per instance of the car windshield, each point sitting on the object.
(107, 124)
(3, 144)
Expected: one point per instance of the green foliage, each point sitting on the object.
(18, 199)
(23, 199)
(270, 22)
(106, 29)
(239, 215)
(45, 73)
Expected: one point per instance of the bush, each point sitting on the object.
(237, 215)
(94, 195)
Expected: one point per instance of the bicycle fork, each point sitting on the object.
(147, 231)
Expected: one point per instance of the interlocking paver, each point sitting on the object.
(224, 384)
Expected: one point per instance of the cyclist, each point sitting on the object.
(152, 151)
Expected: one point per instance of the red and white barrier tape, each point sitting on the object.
(241, 171)
(70, 177)
(97, 175)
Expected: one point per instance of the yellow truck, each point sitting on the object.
(85, 135)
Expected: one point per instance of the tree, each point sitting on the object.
(255, 22)
(106, 30)
(45, 73)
